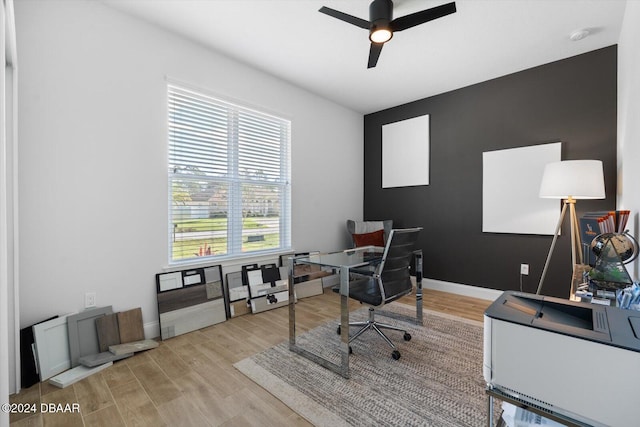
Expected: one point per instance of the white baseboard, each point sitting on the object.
(459, 289)
(439, 285)
(151, 330)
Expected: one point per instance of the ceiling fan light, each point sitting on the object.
(380, 35)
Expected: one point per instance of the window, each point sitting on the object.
(229, 178)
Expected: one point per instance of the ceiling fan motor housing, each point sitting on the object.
(380, 15)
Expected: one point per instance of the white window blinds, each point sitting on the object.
(229, 178)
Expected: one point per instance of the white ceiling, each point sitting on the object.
(290, 39)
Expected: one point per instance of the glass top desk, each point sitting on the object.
(342, 262)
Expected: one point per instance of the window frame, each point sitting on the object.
(234, 179)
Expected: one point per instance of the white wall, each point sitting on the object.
(9, 330)
(4, 241)
(93, 157)
(628, 123)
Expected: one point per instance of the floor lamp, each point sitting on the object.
(571, 180)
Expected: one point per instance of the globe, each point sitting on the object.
(625, 246)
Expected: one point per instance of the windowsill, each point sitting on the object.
(228, 261)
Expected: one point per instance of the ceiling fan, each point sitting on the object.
(381, 24)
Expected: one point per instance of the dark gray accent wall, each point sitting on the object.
(572, 100)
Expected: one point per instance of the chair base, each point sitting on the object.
(371, 323)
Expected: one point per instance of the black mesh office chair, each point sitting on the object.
(387, 282)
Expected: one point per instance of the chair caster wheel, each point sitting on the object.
(407, 336)
(395, 354)
(350, 350)
(339, 330)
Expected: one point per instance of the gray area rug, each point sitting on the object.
(437, 381)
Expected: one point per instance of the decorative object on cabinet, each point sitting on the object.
(593, 224)
(609, 276)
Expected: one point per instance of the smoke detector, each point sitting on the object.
(578, 35)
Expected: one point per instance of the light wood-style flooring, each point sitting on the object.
(190, 379)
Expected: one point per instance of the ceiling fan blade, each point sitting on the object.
(411, 20)
(374, 54)
(358, 22)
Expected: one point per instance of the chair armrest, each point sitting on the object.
(363, 271)
(368, 248)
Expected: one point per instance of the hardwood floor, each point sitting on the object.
(190, 380)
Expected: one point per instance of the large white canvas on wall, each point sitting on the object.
(510, 190)
(405, 153)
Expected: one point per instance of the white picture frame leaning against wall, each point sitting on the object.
(405, 153)
(510, 190)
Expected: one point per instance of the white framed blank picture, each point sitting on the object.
(405, 153)
(510, 190)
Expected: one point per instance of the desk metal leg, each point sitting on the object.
(343, 367)
(344, 320)
(292, 307)
(418, 256)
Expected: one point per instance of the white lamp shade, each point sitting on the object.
(578, 179)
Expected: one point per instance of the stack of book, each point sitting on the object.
(593, 224)
(604, 222)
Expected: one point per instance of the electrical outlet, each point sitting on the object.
(89, 300)
(524, 269)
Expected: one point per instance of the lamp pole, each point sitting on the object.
(575, 232)
(553, 245)
(575, 238)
